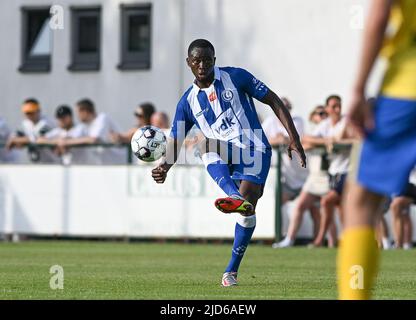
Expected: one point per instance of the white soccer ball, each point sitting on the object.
(148, 143)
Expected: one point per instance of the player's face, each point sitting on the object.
(202, 62)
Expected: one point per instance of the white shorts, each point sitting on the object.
(317, 183)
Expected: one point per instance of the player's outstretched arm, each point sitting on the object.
(285, 118)
(173, 149)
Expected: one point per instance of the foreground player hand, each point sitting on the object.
(296, 146)
(159, 174)
(360, 115)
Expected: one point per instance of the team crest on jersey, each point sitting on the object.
(227, 95)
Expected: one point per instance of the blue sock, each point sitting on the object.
(244, 229)
(220, 172)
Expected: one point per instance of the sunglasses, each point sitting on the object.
(138, 115)
(321, 113)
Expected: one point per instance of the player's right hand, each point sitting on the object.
(159, 174)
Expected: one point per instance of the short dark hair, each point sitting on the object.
(86, 105)
(63, 111)
(332, 96)
(200, 43)
(148, 109)
(31, 100)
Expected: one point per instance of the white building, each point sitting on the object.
(302, 49)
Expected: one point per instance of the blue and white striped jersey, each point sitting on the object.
(224, 111)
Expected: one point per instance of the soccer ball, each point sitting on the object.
(148, 143)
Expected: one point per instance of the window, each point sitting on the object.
(135, 37)
(36, 40)
(85, 39)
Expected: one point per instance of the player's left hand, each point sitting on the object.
(360, 113)
(296, 146)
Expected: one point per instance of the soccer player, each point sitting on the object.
(388, 152)
(235, 150)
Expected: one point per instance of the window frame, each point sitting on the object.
(39, 64)
(84, 61)
(130, 60)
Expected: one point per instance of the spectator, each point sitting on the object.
(66, 129)
(330, 131)
(143, 115)
(5, 155)
(293, 175)
(315, 186)
(34, 125)
(402, 222)
(94, 129)
(161, 120)
(382, 230)
(317, 115)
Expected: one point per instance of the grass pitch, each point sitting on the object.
(106, 270)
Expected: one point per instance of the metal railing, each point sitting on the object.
(281, 149)
(129, 159)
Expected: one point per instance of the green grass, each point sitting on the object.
(105, 270)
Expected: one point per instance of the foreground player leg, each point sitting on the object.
(244, 229)
(358, 254)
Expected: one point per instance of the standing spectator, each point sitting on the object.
(382, 232)
(5, 155)
(330, 131)
(143, 114)
(34, 125)
(315, 186)
(402, 222)
(293, 175)
(93, 129)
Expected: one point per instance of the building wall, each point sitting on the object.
(302, 49)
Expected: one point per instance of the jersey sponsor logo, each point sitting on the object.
(226, 127)
(227, 95)
(212, 97)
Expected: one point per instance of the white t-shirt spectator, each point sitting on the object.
(340, 160)
(101, 128)
(75, 155)
(5, 155)
(33, 131)
(293, 173)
